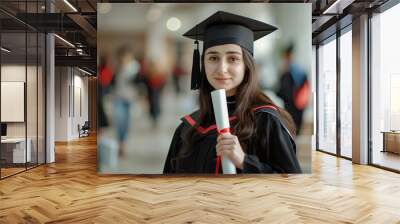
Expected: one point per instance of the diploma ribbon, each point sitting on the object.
(218, 162)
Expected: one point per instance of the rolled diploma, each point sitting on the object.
(222, 118)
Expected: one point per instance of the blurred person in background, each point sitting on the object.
(155, 79)
(124, 93)
(105, 78)
(294, 87)
(140, 79)
(177, 75)
(107, 147)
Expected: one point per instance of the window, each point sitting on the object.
(327, 97)
(385, 85)
(346, 94)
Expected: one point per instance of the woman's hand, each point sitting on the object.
(228, 145)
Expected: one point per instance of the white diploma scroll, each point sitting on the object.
(222, 118)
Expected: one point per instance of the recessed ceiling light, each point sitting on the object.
(337, 7)
(70, 5)
(84, 71)
(5, 50)
(64, 40)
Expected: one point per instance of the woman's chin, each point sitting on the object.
(228, 90)
(222, 86)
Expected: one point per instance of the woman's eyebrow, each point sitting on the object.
(212, 52)
(234, 52)
(228, 52)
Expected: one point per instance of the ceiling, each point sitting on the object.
(80, 27)
(76, 26)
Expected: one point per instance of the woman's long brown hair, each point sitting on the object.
(250, 96)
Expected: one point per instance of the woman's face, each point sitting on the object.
(224, 67)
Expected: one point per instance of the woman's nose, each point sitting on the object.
(222, 67)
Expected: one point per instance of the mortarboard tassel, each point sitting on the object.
(195, 83)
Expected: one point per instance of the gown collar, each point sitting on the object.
(192, 119)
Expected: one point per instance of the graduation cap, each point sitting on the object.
(225, 28)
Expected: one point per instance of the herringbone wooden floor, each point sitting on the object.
(70, 191)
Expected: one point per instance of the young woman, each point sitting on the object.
(261, 139)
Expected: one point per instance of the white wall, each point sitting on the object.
(69, 85)
(80, 83)
(33, 126)
(12, 73)
(61, 103)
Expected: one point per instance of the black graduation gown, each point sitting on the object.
(275, 149)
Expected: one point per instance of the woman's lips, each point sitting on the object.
(222, 79)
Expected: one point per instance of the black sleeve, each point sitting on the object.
(252, 164)
(174, 148)
(280, 150)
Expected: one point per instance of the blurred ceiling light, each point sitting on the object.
(5, 50)
(43, 7)
(173, 24)
(104, 8)
(70, 5)
(84, 71)
(154, 13)
(64, 40)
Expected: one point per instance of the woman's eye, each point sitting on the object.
(233, 59)
(212, 58)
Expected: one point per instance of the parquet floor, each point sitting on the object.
(70, 191)
(9, 171)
